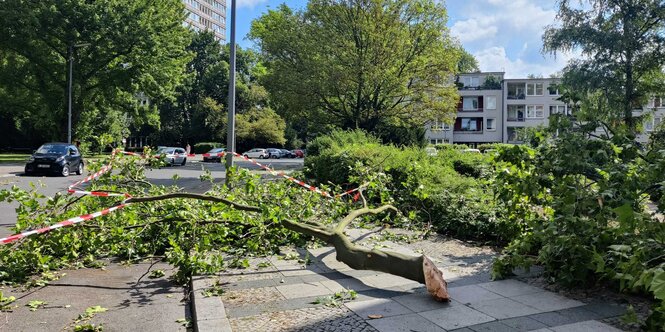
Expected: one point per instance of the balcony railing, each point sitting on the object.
(462, 109)
(466, 131)
(515, 119)
(514, 96)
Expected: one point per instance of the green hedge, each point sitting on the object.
(448, 191)
(204, 147)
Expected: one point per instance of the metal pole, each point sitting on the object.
(70, 54)
(231, 135)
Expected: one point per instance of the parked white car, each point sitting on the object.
(256, 153)
(173, 156)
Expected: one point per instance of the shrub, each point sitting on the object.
(452, 200)
(203, 147)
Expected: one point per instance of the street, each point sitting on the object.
(188, 179)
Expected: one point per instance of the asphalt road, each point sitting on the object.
(188, 179)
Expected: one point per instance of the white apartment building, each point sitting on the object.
(493, 109)
(479, 112)
(207, 15)
(529, 103)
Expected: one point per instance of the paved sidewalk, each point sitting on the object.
(280, 295)
(8, 170)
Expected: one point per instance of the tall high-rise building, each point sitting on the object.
(207, 15)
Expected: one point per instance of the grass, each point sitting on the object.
(13, 158)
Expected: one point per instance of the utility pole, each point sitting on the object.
(230, 129)
(70, 57)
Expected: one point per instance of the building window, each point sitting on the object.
(470, 103)
(437, 125)
(534, 89)
(491, 124)
(435, 141)
(217, 5)
(652, 124)
(553, 90)
(469, 124)
(194, 17)
(657, 102)
(491, 103)
(535, 112)
(192, 3)
(516, 90)
(470, 81)
(516, 113)
(559, 109)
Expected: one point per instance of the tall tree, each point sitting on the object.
(120, 49)
(623, 44)
(359, 63)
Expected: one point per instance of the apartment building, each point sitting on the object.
(479, 112)
(493, 109)
(207, 15)
(529, 103)
(655, 116)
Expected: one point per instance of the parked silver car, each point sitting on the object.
(173, 156)
(256, 153)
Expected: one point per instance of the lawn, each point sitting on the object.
(13, 158)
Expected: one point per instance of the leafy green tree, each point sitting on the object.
(119, 49)
(259, 127)
(623, 44)
(467, 63)
(359, 63)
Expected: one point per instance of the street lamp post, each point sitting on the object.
(230, 129)
(70, 56)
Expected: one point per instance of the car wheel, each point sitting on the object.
(65, 170)
(172, 162)
(184, 161)
(79, 171)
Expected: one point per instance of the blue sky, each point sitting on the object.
(504, 35)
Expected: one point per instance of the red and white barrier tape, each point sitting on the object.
(76, 220)
(98, 193)
(64, 223)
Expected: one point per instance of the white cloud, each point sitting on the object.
(473, 29)
(248, 3)
(506, 34)
(495, 59)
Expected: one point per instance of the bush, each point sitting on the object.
(452, 200)
(204, 147)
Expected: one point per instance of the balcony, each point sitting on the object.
(516, 96)
(465, 110)
(518, 119)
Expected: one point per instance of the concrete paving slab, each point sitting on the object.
(345, 284)
(504, 308)
(303, 290)
(420, 302)
(383, 280)
(547, 301)
(214, 325)
(472, 294)
(456, 317)
(510, 288)
(606, 310)
(405, 323)
(586, 326)
(383, 307)
(523, 323)
(495, 326)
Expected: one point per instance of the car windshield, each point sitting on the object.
(52, 149)
(162, 150)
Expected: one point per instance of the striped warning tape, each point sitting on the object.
(64, 223)
(98, 193)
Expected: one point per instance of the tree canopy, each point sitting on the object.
(359, 63)
(623, 44)
(119, 48)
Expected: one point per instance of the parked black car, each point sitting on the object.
(287, 154)
(55, 158)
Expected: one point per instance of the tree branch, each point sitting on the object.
(194, 196)
(357, 213)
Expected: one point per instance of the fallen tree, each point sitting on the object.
(417, 268)
(196, 233)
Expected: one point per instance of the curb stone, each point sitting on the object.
(210, 309)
